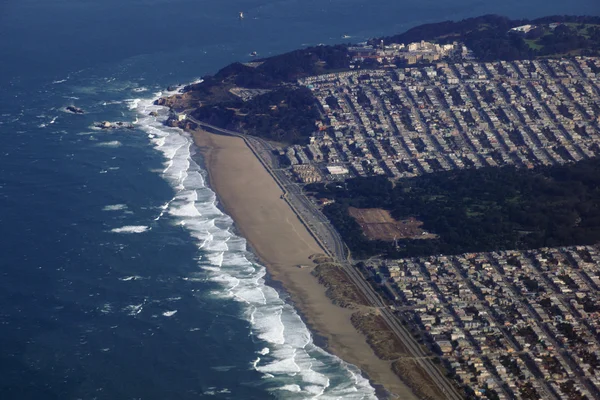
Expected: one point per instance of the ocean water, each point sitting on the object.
(120, 278)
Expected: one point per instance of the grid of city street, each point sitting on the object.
(523, 323)
(405, 122)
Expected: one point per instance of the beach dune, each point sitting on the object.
(250, 195)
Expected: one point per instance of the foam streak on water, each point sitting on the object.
(293, 365)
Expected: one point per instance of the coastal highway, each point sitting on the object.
(309, 214)
(331, 242)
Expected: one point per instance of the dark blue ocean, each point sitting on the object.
(119, 276)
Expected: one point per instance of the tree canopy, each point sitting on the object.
(476, 209)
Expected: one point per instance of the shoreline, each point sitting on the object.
(276, 236)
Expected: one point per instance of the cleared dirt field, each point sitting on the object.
(378, 224)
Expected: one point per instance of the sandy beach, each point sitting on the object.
(249, 194)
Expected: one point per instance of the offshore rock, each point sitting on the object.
(75, 110)
(113, 125)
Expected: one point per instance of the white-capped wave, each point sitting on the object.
(134, 309)
(288, 355)
(133, 103)
(169, 313)
(131, 229)
(106, 308)
(112, 102)
(131, 278)
(115, 207)
(212, 391)
(291, 388)
(264, 351)
(113, 143)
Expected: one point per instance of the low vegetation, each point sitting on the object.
(339, 288)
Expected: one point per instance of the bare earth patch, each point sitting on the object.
(378, 224)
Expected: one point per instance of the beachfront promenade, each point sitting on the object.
(329, 240)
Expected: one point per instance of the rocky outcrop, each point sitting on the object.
(113, 125)
(177, 101)
(74, 110)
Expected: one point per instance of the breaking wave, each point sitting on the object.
(289, 360)
(131, 229)
(115, 207)
(113, 143)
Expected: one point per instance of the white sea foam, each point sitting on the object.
(131, 229)
(110, 103)
(115, 207)
(169, 313)
(134, 309)
(264, 351)
(113, 143)
(212, 391)
(131, 278)
(133, 103)
(289, 358)
(291, 388)
(106, 308)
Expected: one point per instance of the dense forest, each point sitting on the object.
(489, 38)
(476, 210)
(285, 115)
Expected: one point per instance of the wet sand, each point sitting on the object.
(250, 195)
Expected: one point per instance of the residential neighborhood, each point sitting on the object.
(525, 324)
(405, 122)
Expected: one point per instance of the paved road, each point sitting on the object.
(332, 244)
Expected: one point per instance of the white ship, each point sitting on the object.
(241, 15)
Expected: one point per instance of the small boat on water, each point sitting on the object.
(241, 15)
(253, 54)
